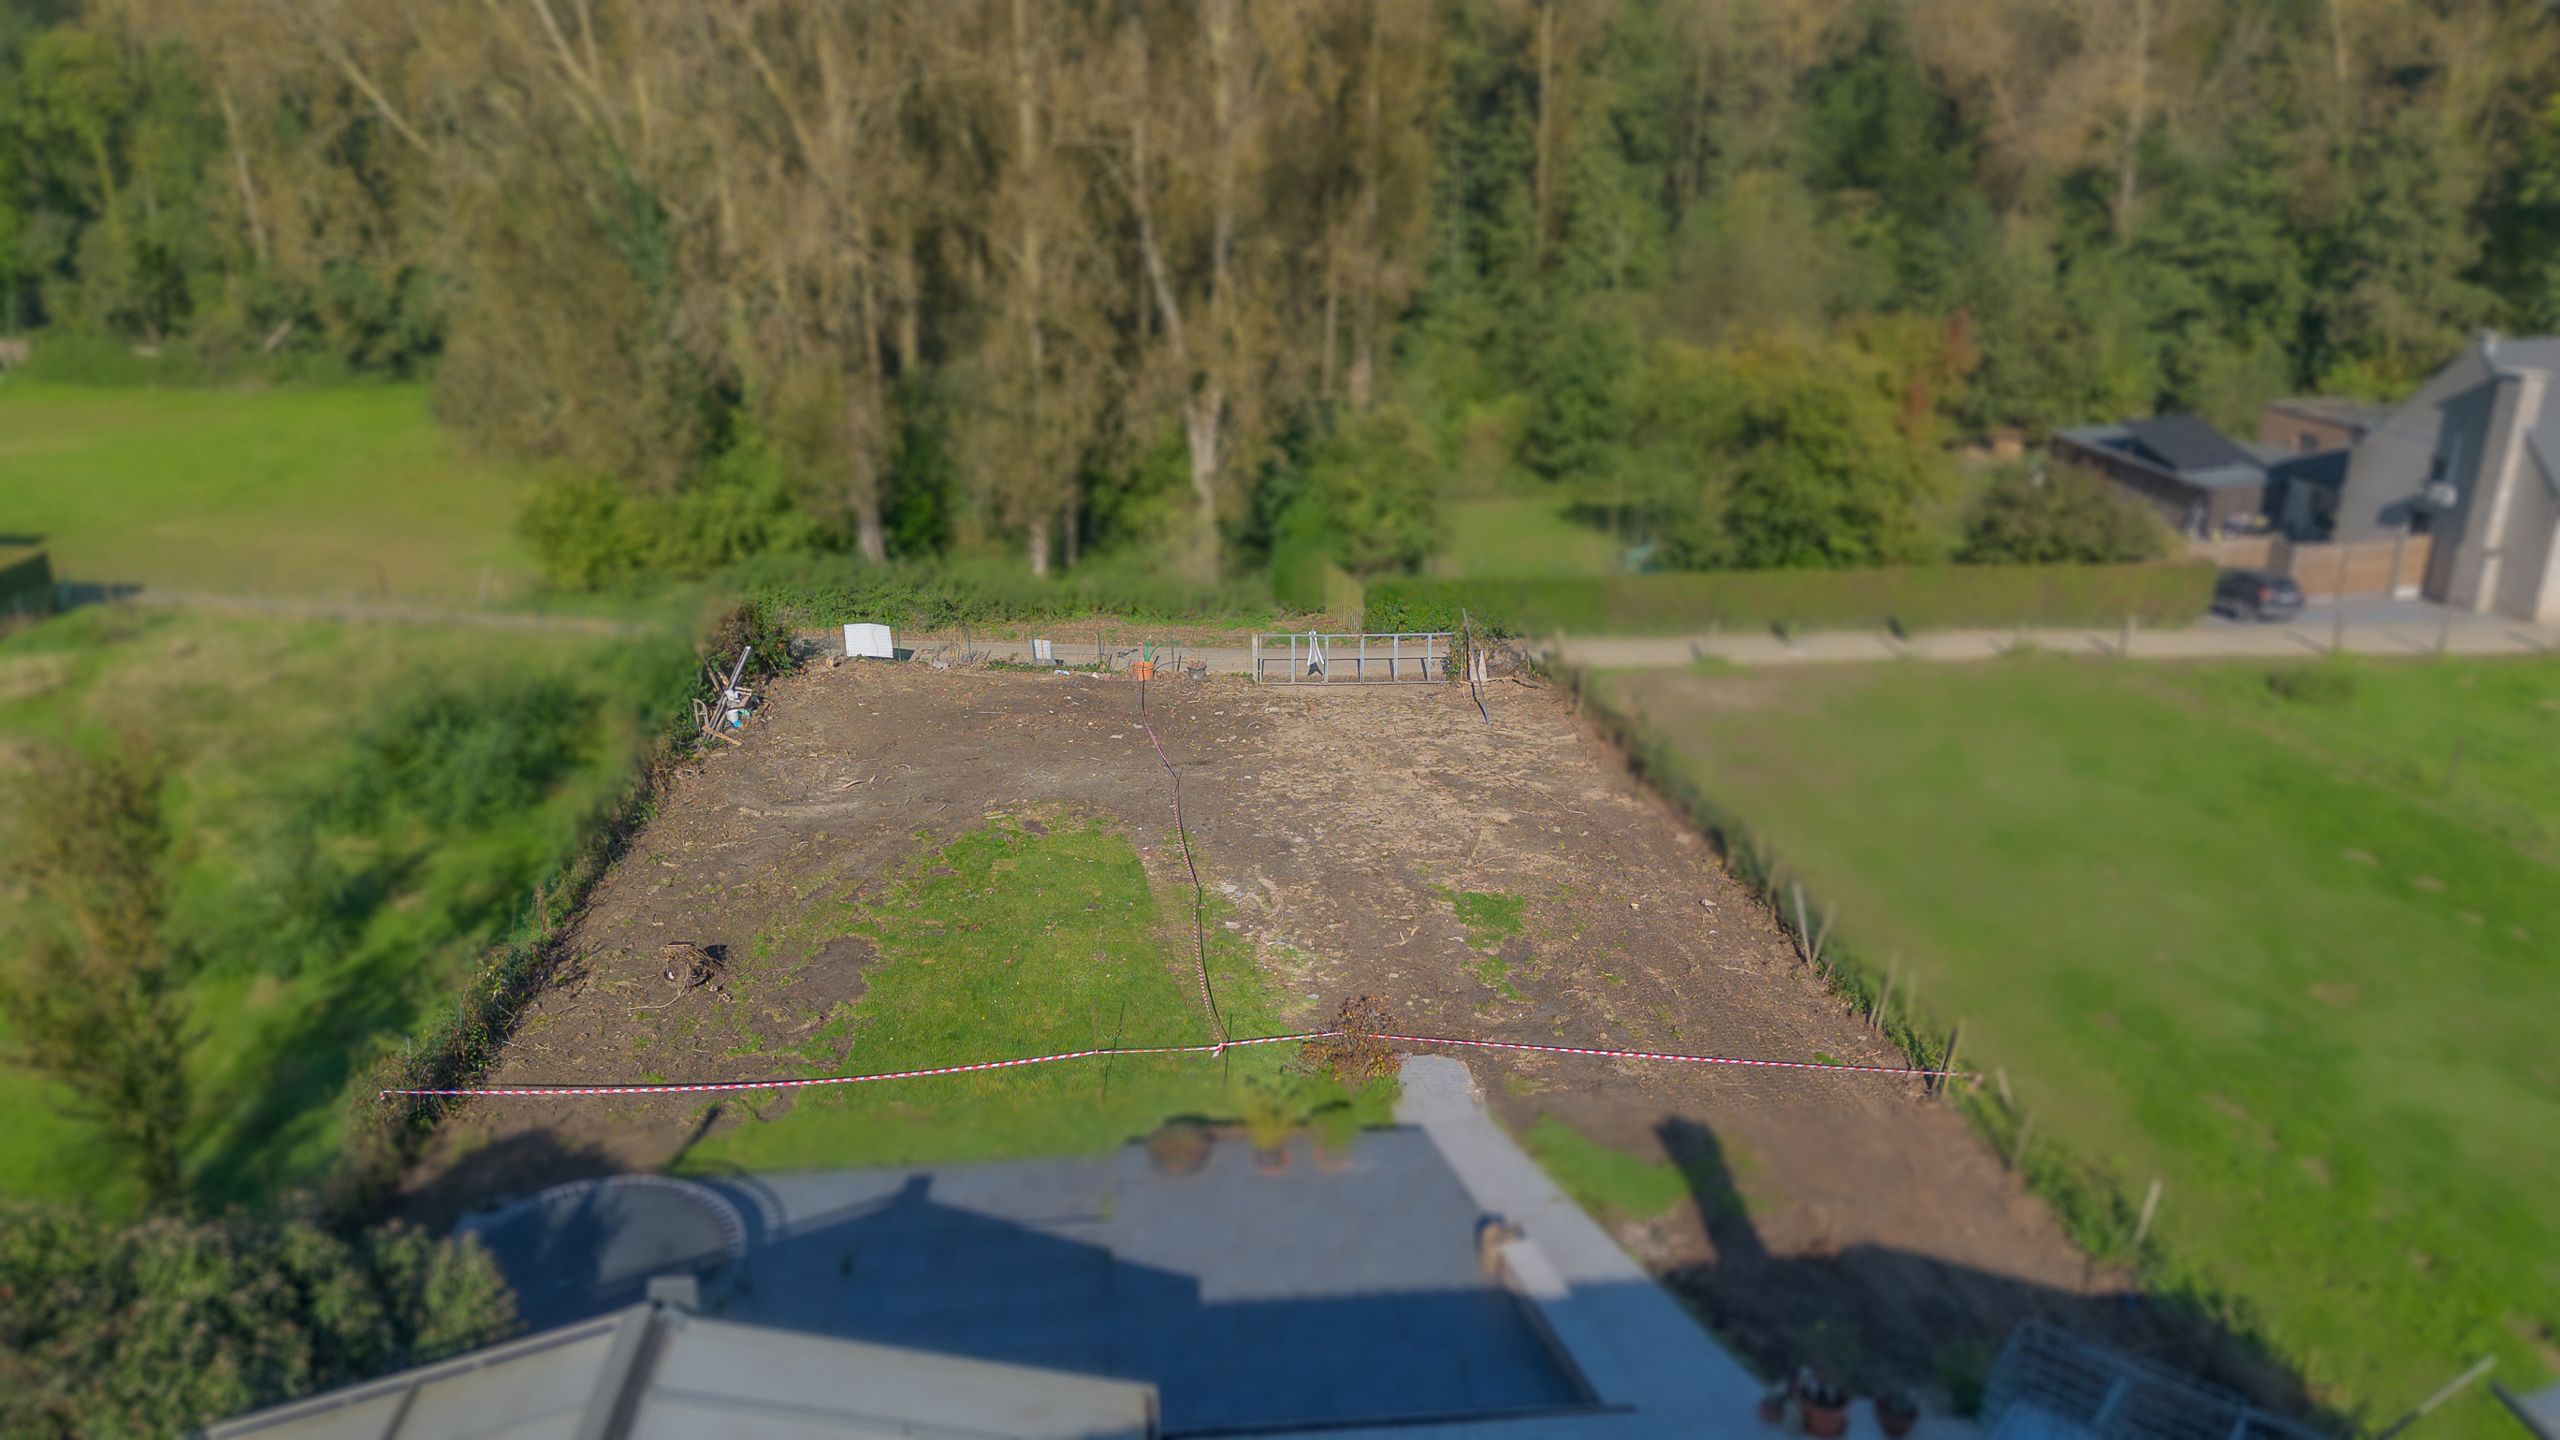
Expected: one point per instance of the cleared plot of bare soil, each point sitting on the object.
(1507, 880)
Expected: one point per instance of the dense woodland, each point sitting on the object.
(1183, 282)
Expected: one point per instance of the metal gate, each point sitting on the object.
(1311, 657)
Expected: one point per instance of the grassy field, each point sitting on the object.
(272, 492)
(2237, 935)
(358, 814)
(1007, 943)
(1524, 536)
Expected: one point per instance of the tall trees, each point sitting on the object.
(641, 235)
(93, 992)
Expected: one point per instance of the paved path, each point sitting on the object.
(1654, 1369)
(2375, 627)
(2311, 635)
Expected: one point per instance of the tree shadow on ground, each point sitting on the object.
(1884, 1318)
(508, 1168)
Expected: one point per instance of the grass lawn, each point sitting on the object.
(1010, 942)
(272, 492)
(2249, 945)
(1525, 536)
(320, 930)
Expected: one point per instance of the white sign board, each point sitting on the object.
(868, 642)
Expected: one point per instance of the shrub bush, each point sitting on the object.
(1916, 598)
(456, 757)
(836, 590)
(157, 1328)
(2312, 684)
(2066, 515)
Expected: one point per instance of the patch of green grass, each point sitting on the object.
(300, 491)
(1615, 1185)
(1608, 1182)
(1527, 536)
(1007, 943)
(343, 857)
(2473, 736)
(1490, 917)
(2225, 939)
(1495, 972)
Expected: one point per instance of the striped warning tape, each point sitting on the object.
(1666, 1056)
(978, 1067)
(699, 1087)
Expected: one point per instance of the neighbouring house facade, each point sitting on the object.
(2309, 426)
(2471, 459)
(2201, 481)
(2498, 449)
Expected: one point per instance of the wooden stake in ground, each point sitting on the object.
(1883, 1014)
(1804, 936)
(2452, 1387)
(1954, 1041)
(2150, 1204)
(2018, 1149)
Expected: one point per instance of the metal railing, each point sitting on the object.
(2080, 1388)
(1311, 657)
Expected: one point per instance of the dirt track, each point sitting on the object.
(1327, 820)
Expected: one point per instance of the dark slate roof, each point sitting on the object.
(2188, 442)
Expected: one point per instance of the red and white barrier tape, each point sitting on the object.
(714, 1086)
(1666, 1056)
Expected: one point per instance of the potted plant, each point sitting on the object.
(1896, 1413)
(1269, 1120)
(1335, 1126)
(1180, 1147)
(1824, 1404)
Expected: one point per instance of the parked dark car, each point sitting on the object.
(2256, 595)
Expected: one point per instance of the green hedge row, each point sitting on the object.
(1917, 598)
(836, 590)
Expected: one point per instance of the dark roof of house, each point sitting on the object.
(2188, 442)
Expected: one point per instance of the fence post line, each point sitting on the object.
(2150, 1204)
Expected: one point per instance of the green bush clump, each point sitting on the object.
(592, 533)
(2312, 684)
(1913, 597)
(110, 1330)
(455, 757)
(836, 590)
